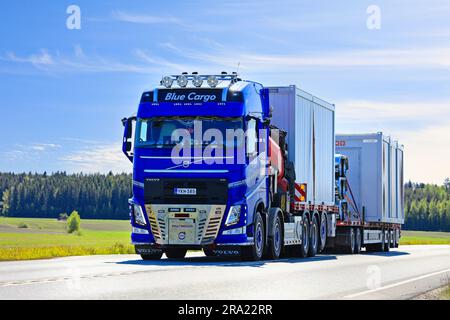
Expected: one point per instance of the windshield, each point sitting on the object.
(157, 132)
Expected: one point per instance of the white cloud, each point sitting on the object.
(427, 57)
(97, 158)
(363, 110)
(423, 127)
(78, 61)
(144, 18)
(44, 146)
(43, 58)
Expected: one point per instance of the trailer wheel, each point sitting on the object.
(275, 236)
(358, 241)
(380, 246)
(301, 250)
(175, 253)
(153, 256)
(396, 238)
(255, 251)
(351, 241)
(392, 242)
(323, 231)
(314, 237)
(387, 244)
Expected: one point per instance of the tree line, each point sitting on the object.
(94, 196)
(105, 196)
(427, 206)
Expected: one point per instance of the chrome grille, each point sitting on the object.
(213, 226)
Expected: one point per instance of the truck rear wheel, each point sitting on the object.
(323, 231)
(275, 237)
(358, 240)
(387, 245)
(255, 251)
(314, 237)
(175, 253)
(350, 243)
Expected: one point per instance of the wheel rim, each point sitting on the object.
(277, 237)
(352, 239)
(259, 238)
(314, 236)
(305, 237)
(323, 228)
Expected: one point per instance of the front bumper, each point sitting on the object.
(193, 226)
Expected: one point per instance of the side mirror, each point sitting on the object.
(128, 137)
(265, 103)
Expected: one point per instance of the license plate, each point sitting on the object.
(185, 191)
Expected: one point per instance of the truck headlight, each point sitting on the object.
(139, 215)
(233, 215)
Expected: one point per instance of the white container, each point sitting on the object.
(375, 175)
(309, 122)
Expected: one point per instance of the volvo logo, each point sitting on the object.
(182, 236)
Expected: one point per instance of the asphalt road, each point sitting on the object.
(400, 274)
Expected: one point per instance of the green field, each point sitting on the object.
(32, 238)
(424, 237)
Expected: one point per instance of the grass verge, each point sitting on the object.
(30, 253)
(424, 237)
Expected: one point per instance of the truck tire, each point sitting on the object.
(301, 250)
(396, 238)
(323, 231)
(314, 237)
(350, 243)
(275, 236)
(255, 251)
(153, 256)
(175, 253)
(380, 246)
(387, 245)
(304, 247)
(358, 240)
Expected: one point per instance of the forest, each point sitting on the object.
(105, 196)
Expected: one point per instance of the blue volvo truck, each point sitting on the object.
(233, 168)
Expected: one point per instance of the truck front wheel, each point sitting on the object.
(255, 251)
(275, 237)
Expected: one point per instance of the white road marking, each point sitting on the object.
(351, 296)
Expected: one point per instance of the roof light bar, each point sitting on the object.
(197, 79)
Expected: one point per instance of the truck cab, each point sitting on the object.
(199, 146)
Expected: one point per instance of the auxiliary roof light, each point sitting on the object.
(197, 81)
(212, 81)
(167, 81)
(182, 81)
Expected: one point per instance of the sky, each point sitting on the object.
(63, 91)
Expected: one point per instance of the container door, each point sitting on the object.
(400, 185)
(354, 175)
(385, 181)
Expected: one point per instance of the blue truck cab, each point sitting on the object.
(199, 153)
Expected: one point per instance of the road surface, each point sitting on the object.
(400, 274)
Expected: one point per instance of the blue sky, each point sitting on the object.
(63, 92)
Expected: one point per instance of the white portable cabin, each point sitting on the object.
(375, 175)
(309, 123)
